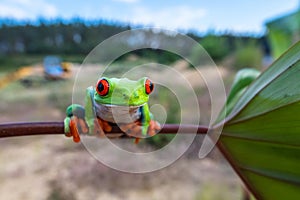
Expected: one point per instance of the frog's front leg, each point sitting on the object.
(74, 123)
(149, 125)
(84, 120)
(142, 127)
(77, 123)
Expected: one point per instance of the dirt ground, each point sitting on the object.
(54, 168)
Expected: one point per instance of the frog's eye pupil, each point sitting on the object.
(102, 87)
(149, 86)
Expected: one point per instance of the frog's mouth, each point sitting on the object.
(118, 113)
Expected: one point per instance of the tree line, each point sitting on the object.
(57, 36)
(79, 36)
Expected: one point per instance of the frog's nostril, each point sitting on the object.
(135, 95)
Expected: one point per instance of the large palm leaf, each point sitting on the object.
(261, 134)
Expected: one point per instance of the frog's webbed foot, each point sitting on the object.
(75, 123)
(135, 129)
(153, 128)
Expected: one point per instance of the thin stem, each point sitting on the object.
(52, 128)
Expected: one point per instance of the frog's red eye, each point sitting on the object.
(149, 86)
(102, 87)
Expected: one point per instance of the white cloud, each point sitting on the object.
(26, 9)
(183, 17)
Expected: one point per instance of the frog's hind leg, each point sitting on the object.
(101, 127)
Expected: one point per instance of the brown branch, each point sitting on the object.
(52, 128)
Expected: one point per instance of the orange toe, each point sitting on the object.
(137, 140)
(74, 131)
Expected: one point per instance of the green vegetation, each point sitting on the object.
(152, 55)
(217, 47)
(75, 38)
(248, 55)
(283, 32)
(12, 62)
(54, 37)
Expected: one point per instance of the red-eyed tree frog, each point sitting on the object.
(113, 100)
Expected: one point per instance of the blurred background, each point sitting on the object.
(42, 45)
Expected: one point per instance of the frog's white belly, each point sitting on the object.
(118, 114)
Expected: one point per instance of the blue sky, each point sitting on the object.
(227, 15)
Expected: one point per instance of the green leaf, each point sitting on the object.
(261, 135)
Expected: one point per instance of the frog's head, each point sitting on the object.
(123, 92)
